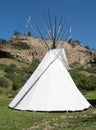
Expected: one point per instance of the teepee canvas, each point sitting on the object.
(50, 87)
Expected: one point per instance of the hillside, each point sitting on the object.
(21, 55)
(26, 49)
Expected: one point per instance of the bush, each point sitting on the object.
(2, 67)
(11, 69)
(83, 82)
(29, 71)
(92, 69)
(4, 82)
(92, 82)
(1, 91)
(2, 41)
(20, 78)
(16, 85)
(13, 65)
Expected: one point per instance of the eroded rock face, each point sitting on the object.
(78, 54)
(26, 49)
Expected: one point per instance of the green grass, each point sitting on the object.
(23, 120)
(91, 95)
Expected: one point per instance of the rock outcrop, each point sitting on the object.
(26, 49)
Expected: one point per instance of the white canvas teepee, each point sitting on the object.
(51, 87)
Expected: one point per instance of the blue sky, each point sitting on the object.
(81, 13)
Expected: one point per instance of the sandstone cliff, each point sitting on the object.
(26, 49)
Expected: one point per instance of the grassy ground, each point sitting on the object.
(22, 120)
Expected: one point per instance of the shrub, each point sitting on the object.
(92, 69)
(20, 78)
(2, 41)
(31, 68)
(2, 67)
(92, 82)
(87, 47)
(11, 69)
(84, 82)
(16, 33)
(4, 82)
(16, 85)
(1, 90)
(13, 65)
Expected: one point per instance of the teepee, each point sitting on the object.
(50, 87)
